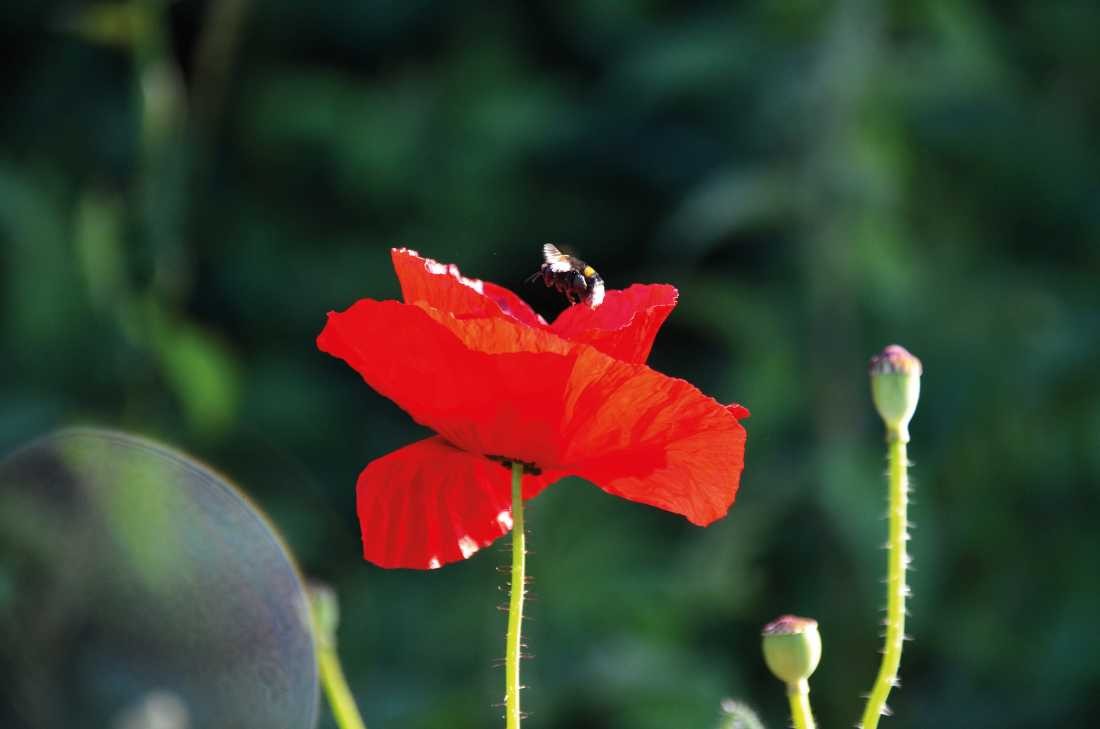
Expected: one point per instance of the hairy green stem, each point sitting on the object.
(515, 606)
(896, 591)
(798, 694)
(337, 692)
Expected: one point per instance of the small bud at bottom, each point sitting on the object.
(792, 648)
(736, 715)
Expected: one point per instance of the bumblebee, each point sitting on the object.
(570, 276)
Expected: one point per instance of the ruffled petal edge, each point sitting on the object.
(442, 286)
(624, 325)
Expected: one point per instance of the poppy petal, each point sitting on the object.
(443, 287)
(684, 455)
(738, 411)
(499, 400)
(624, 325)
(494, 386)
(429, 504)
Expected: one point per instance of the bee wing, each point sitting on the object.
(559, 262)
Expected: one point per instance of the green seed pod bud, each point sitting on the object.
(895, 388)
(792, 648)
(736, 715)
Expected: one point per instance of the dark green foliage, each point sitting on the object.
(819, 179)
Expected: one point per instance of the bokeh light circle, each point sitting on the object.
(139, 589)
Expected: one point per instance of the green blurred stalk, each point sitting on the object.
(214, 55)
(326, 618)
(160, 81)
(337, 692)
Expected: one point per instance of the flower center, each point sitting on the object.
(528, 468)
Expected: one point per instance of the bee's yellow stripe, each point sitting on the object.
(589, 271)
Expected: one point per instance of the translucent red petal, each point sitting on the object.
(443, 287)
(495, 386)
(624, 325)
(430, 503)
(738, 411)
(689, 460)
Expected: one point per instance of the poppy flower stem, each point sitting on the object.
(896, 589)
(515, 606)
(798, 695)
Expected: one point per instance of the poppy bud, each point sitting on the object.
(792, 648)
(895, 388)
(736, 715)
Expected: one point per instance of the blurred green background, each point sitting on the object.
(186, 188)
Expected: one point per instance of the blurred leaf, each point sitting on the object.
(99, 249)
(116, 24)
(726, 204)
(201, 371)
(44, 322)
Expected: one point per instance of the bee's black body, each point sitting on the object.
(570, 276)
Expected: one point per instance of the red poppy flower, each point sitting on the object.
(473, 362)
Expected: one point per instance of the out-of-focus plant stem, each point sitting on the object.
(326, 619)
(214, 56)
(337, 692)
